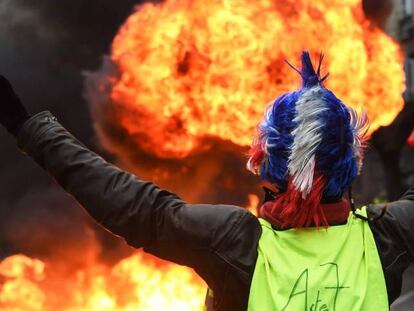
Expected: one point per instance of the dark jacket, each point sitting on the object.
(218, 241)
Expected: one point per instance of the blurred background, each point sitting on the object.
(172, 91)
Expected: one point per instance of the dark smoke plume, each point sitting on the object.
(377, 11)
(45, 46)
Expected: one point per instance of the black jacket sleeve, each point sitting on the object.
(140, 212)
(409, 195)
(394, 236)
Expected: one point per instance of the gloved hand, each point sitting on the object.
(12, 112)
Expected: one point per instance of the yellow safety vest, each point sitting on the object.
(310, 269)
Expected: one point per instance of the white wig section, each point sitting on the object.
(359, 125)
(306, 138)
(264, 128)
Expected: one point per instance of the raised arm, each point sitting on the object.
(140, 212)
(116, 199)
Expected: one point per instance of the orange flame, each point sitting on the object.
(138, 282)
(135, 283)
(192, 70)
(253, 204)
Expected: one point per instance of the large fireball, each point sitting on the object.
(192, 70)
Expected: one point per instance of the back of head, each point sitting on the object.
(309, 145)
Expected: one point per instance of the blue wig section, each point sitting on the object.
(308, 73)
(335, 156)
(276, 131)
(310, 77)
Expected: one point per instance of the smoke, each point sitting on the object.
(45, 46)
(377, 11)
(50, 220)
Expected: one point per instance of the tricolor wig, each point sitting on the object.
(309, 145)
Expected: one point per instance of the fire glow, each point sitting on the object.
(189, 71)
(192, 70)
(136, 283)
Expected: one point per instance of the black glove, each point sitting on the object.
(12, 112)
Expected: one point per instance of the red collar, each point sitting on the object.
(336, 213)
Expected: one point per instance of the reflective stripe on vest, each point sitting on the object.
(310, 269)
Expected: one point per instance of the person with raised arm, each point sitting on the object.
(309, 248)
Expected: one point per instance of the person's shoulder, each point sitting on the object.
(223, 215)
(394, 238)
(396, 212)
(227, 223)
(393, 226)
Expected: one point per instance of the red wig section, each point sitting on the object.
(295, 212)
(257, 154)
